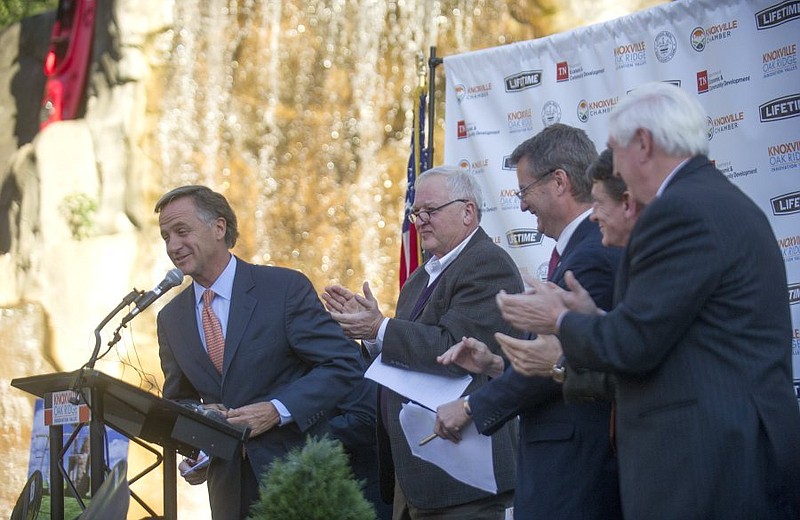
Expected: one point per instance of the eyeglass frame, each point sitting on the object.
(520, 193)
(413, 216)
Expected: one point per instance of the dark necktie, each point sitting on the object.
(551, 267)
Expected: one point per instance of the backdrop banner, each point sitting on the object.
(738, 58)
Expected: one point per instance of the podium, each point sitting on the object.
(140, 416)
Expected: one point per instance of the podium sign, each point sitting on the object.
(137, 414)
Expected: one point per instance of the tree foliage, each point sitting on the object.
(312, 483)
(12, 11)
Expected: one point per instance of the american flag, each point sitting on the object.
(410, 252)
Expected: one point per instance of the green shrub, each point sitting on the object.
(15, 10)
(312, 483)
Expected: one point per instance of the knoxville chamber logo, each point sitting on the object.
(523, 80)
(777, 14)
(701, 37)
(630, 55)
(780, 60)
(784, 156)
(780, 108)
(523, 237)
(507, 164)
(723, 123)
(587, 109)
(665, 46)
(786, 204)
(473, 91)
(474, 167)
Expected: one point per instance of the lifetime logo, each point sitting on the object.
(523, 237)
(523, 80)
(794, 293)
(777, 14)
(780, 108)
(786, 204)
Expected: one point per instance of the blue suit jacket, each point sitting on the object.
(566, 468)
(707, 423)
(280, 344)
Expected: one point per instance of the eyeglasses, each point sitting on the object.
(521, 192)
(424, 215)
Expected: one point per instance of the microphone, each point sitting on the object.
(173, 279)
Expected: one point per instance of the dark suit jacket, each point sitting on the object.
(566, 468)
(354, 425)
(280, 344)
(707, 423)
(462, 304)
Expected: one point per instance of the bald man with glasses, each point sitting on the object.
(451, 297)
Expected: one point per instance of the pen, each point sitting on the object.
(427, 439)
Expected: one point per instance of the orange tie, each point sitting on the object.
(215, 341)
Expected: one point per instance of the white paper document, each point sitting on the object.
(429, 390)
(469, 461)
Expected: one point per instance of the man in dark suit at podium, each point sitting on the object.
(260, 349)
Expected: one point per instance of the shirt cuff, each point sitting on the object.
(559, 320)
(286, 417)
(375, 346)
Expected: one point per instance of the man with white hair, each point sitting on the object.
(707, 423)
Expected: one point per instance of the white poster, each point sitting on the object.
(739, 58)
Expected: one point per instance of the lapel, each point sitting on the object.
(188, 334)
(418, 281)
(621, 282)
(241, 311)
(581, 232)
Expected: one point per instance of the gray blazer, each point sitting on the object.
(462, 304)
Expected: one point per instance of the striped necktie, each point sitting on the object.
(215, 341)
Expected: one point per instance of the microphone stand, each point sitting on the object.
(127, 300)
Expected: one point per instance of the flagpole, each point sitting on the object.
(433, 62)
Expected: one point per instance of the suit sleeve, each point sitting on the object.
(662, 299)
(333, 360)
(512, 393)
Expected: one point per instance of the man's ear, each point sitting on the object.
(470, 213)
